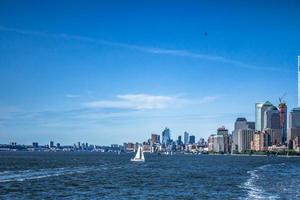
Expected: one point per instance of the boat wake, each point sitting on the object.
(23, 175)
(254, 190)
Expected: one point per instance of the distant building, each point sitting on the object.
(58, 145)
(129, 146)
(201, 142)
(179, 140)
(275, 136)
(271, 118)
(51, 144)
(222, 131)
(192, 139)
(261, 141)
(240, 124)
(260, 109)
(186, 137)
(283, 121)
(218, 144)
(166, 137)
(294, 126)
(296, 144)
(298, 81)
(35, 145)
(245, 136)
(13, 144)
(226, 143)
(155, 138)
(210, 142)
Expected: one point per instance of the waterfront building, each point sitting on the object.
(240, 124)
(271, 118)
(226, 143)
(210, 142)
(218, 144)
(155, 138)
(222, 131)
(260, 109)
(294, 126)
(192, 139)
(201, 142)
(146, 148)
(298, 81)
(186, 137)
(275, 136)
(283, 121)
(296, 144)
(35, 145)
(51, 144)
(129, 146)
(261, 141)
(166, 137)
(179, 140)
(245, 136)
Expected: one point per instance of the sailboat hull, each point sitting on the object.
(137, 160)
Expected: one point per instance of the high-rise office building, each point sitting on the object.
(222, 130)
(179, 140)
(245, 136)
(218, 143)
(201, 142)
(155, 139)
(241, 123)
(186, 137)
(166, 136)
(192, 139)
(298, 81)
(260, 109)
(275, 136)
(271, 118)
(294, 116)
(51, 144)
(283, 121)
(35, 145)
(294, 125)
(226, 143)
(261, 141)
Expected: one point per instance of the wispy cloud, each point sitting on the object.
(72, 95)
(207, 99)
(151, 50)
(134, 101)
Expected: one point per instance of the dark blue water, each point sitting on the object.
(109, 176)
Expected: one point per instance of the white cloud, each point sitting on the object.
(72, 95)
(134, 101)
(207, 99)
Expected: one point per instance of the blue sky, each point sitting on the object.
(115, 71)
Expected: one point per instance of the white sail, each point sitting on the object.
(138, 153)
(139, 156)
(142, 153)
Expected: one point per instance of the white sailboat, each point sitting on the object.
(139, 156)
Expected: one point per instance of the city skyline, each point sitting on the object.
(125, 71)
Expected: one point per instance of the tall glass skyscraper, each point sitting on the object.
(260, 109)
(298, 81)
(186, 137)
(166, 137)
